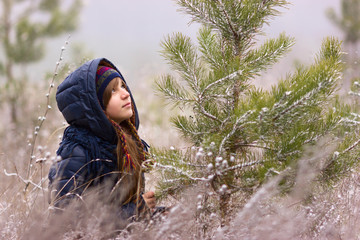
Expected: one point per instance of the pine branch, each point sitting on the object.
(304, 100)
(356, 115)
(236, 126)
(236, 21)
(179, 171)
(351, 147)
(187, 128)
(210, 48)
(269, 53)
(233, 118)
(205, 113)
(320, 79)
(326, 130)
(207, 13)
(281, 155)
(217, 96)
(219, 81)
(179, 162)
(354, 93)
(181, 54)
(298, 103)
(174, 180)
(173, 91)
(242, 165)
(231, 25)
(353, 122)
(253, 146)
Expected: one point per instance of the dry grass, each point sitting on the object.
(310, 211)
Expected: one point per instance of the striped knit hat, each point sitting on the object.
(104, 75)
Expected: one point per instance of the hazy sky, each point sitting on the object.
(129, 32)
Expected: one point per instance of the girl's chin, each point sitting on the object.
(126, 118)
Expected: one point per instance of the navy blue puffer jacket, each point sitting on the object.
(87, 151)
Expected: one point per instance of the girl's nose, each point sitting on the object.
(125, 94)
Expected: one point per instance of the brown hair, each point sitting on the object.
(133, 181)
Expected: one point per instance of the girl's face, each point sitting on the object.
(119, 107)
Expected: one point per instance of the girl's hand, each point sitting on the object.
(149, 198)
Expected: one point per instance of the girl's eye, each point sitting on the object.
(123, 86)
(113, 90)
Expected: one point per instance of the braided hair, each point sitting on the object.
(130, 152)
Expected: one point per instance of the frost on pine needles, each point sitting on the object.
(242, 135)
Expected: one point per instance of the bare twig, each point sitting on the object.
(41, 119)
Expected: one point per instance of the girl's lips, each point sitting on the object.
(127, 104)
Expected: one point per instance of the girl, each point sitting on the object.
(101, 148)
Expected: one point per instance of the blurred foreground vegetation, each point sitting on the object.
(279, 164)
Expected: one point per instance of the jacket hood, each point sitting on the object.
(77, 101)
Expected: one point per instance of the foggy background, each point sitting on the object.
(129, 33)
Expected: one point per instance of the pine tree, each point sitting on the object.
(349, 23)
(240, 135)
(25, 26)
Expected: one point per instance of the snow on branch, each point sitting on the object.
(235, 127)
(353, 122)
(228, 77)
(242, 165)
(200, 14)
(192, 73)
(188, 131)
(175, 96)
(351, 147)
(179, 171)
(354, 93)
(301, 101)
(231, 25)
(207, 114)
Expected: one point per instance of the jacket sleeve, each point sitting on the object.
(67, 177)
